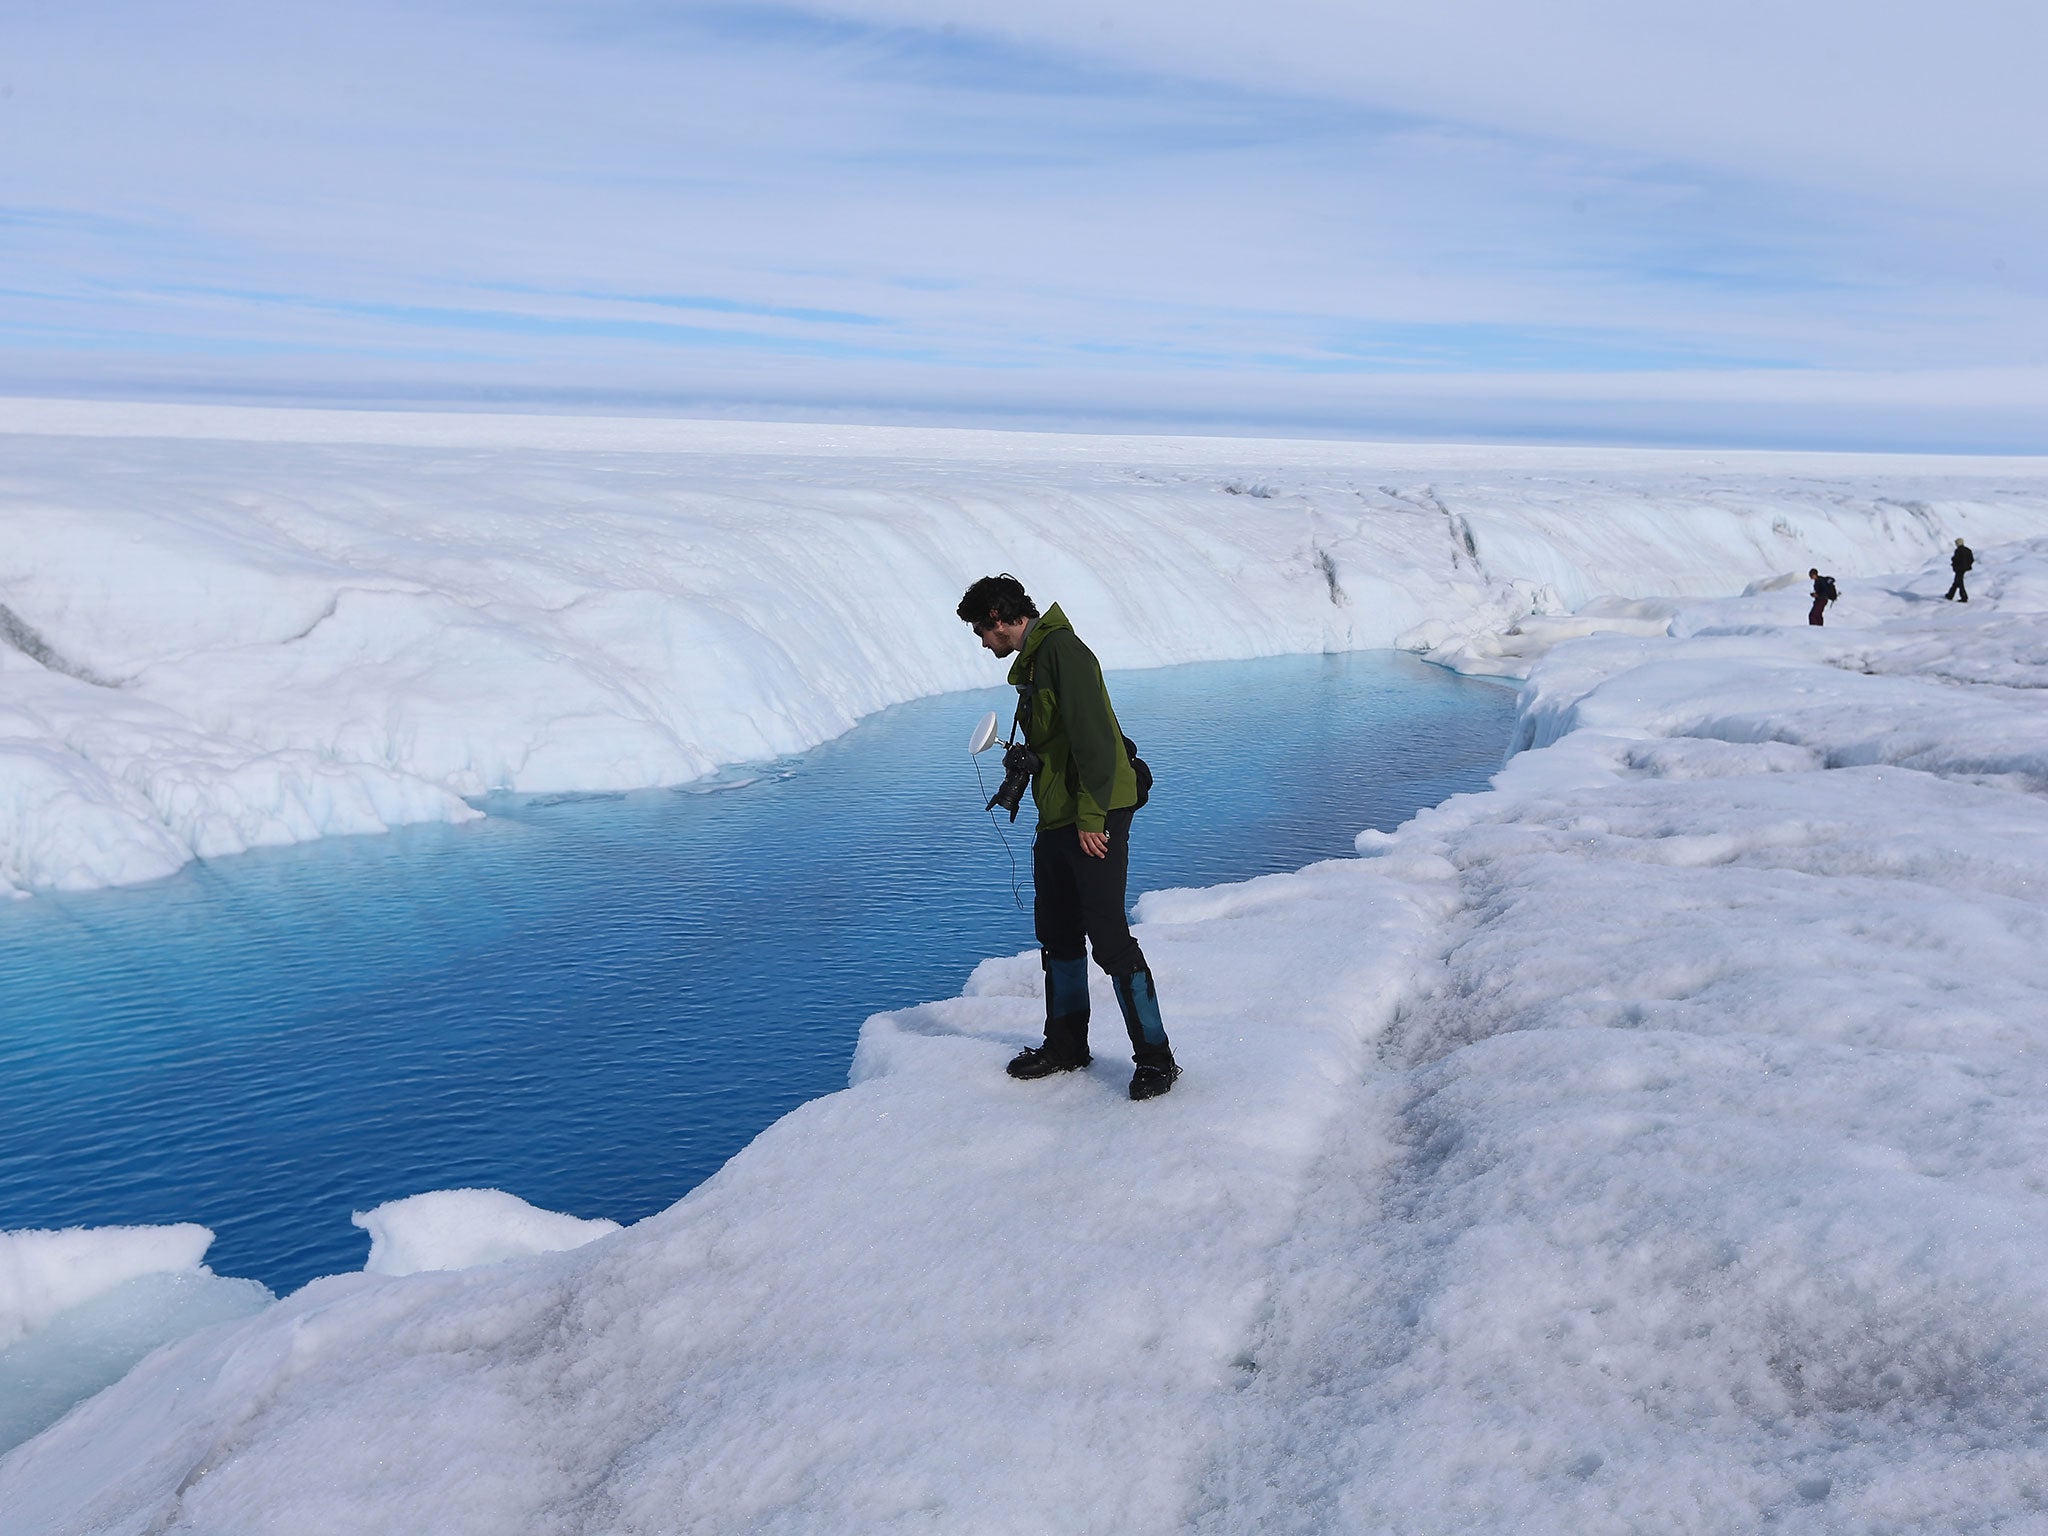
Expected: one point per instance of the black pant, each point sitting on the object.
(1077, 897)
(1955, 588)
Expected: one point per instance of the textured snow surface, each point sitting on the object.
(222, 628)
(1653, 1143)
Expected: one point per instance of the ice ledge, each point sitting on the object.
(327, 623)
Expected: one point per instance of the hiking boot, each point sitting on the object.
(1038, 1062)
(1150, 1082)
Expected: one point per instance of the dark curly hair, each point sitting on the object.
(1001, 598)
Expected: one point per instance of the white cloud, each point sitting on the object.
(1183, 207)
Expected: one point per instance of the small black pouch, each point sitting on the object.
(1139, 767)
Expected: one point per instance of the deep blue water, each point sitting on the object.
(593, 1001)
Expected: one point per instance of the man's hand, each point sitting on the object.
(1095, 844)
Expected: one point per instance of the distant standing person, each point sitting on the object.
(1824, 592)
(1960, 562)
(1086, 789)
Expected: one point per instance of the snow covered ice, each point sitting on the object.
(223, 628)
(1705, 1188)
(79, 1307)
(1655, 1142)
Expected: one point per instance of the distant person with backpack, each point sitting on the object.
(1824, 592)
(1959, 562)
(1087, 783)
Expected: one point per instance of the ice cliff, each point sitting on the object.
(221, 628)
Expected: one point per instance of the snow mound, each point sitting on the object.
(464, 1228)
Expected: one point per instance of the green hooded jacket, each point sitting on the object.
(1085, 772)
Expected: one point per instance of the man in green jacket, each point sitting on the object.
(1086, 792)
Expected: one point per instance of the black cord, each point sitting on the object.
(1016, 887)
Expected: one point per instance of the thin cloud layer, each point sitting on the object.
(1466, 220)
(1938, 103)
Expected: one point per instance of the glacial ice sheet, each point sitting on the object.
(1650, 1143)
(225, 628)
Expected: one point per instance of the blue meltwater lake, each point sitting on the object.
(593, 1001)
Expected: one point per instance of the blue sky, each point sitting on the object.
(1807, 221)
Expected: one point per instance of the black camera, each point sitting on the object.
(1019, 764)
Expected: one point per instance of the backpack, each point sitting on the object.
(1825, 590)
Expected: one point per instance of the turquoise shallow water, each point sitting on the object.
(593, 1001)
